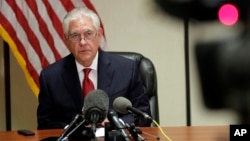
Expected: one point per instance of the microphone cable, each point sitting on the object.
(163, 133)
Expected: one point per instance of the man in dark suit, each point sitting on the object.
(61, 98)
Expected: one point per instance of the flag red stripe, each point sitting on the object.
(68, 5)
(8, 27)
(43, 28)
(12, 32)
(32, 37)
(54, 18)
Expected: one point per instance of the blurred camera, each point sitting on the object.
(224, 65)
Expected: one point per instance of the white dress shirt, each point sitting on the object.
(93, 72)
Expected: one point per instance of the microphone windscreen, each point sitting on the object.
(97, 99)
(120, 105)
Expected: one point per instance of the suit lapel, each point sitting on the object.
(105, 72)
(71, 80)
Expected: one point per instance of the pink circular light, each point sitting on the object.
(228, 14)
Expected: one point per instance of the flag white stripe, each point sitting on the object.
(59, 9)
(34, 25)
(21, 35)
(59, 44)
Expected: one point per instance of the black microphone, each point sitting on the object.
(123, 105)
(96, 105)
(113, 118)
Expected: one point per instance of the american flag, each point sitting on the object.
(33, 30)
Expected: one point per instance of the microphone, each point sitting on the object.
(96, 105)
(123, 105)
(113, 118)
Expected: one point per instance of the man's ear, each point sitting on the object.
(66, 41)
(65, 38)
(100, 32)
(100, 38)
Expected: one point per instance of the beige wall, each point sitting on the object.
(23, 101)
(136, 26)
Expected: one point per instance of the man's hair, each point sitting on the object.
(77, 13)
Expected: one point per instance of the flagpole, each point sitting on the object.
(7, 85)
(187, 71)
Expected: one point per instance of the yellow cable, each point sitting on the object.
(162, 130)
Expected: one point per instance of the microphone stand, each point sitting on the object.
(93, 129)
(65, 137)
(135, 132)
(68, 127)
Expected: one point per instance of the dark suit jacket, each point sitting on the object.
(60, 97)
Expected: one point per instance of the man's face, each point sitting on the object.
(83, 40)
